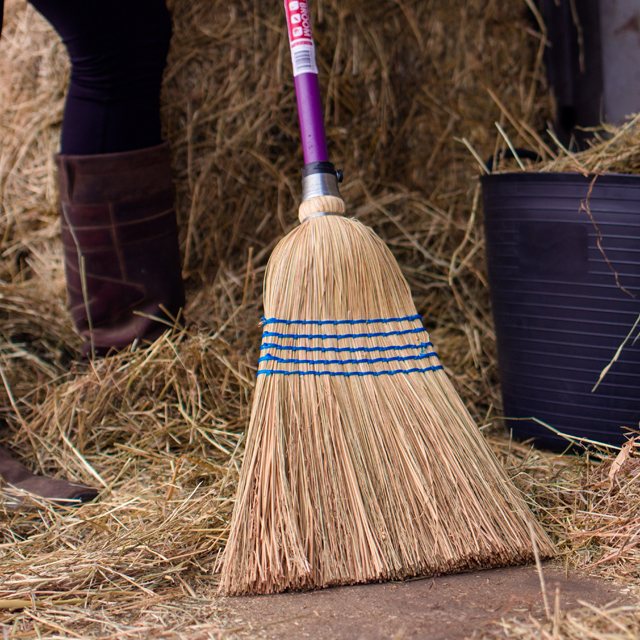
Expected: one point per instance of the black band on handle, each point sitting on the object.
(322, 167)
(318, 167)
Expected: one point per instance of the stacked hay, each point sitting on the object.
(161, 431)
(611, 150)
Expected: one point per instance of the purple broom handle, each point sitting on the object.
(312, 131)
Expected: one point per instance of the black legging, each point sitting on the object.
(118, 51)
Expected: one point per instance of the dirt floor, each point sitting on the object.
(445, 608)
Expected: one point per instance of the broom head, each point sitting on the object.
(362, 464)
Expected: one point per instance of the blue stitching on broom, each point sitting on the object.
(328, 336)
(318, 323)
(271, 358)
(333, 336)
(400, 347)
(348, 374)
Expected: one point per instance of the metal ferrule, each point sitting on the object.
(319, 184)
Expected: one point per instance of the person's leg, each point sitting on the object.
(118, 51)
(119, 229)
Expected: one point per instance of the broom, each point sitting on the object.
(362, 464)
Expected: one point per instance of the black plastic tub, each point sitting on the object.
(562, 305)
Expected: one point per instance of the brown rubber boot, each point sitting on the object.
(21, 483)
(120, 239)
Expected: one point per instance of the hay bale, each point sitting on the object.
(401, 80)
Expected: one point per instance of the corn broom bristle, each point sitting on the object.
(362, 463)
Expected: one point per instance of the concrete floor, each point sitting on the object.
(445, 608)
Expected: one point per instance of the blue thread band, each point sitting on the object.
(280, 347)
(319, 323)
(329, 336)
(347, 374)
(270, 358)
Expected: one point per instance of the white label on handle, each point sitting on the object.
(303, 52)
